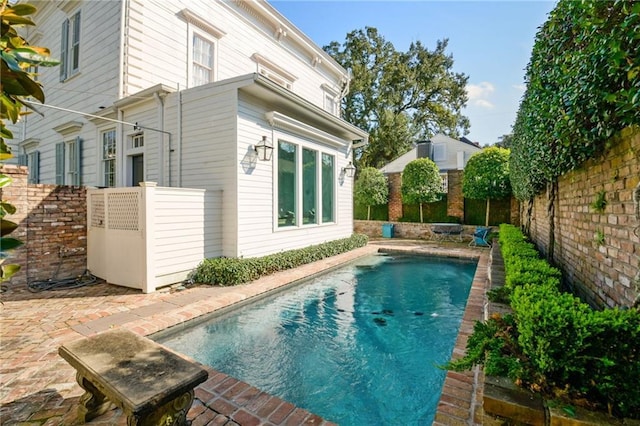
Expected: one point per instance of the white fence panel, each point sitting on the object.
(148, 237)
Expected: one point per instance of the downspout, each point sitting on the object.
(121, 167)
(124, 13)
(160, 102)
(179, 141)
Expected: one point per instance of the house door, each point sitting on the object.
(137, 169)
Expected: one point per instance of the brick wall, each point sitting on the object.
(455, 199)
(603, 273)
(52, 223)
(395, 196)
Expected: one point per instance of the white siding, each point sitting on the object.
(257, 232)
(207, 147)
(93, 87)
(188, 227)
(156, 55)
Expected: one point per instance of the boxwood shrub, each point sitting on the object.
(555, 343)
(232, 271)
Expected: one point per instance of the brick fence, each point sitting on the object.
(52, 223)
(599, 252)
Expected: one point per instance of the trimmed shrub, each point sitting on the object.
(232, 271)
(555, 343)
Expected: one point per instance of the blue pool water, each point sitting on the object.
(357, 346)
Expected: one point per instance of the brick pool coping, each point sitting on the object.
(38, 388)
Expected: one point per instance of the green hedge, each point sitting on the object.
(232, 271)
(555, 343)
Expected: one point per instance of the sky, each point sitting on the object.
(490, 41)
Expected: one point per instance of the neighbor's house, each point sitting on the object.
(180, 93)
(450, 155)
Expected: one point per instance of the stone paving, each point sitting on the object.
(37, 387)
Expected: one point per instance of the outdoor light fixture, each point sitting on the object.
(264, 149)
(349, 170)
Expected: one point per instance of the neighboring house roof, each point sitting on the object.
(453, 146)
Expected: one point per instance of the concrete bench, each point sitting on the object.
(151, 384)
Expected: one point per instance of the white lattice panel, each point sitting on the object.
(124, 211)
(97, 210)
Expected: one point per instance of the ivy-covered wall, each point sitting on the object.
(596, 224)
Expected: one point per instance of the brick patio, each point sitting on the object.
(37, 387)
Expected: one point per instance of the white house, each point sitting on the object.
(446, 152)
(180, 93)
(450, 155)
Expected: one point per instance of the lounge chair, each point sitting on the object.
(480, 237)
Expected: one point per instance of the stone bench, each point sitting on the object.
(151, 384)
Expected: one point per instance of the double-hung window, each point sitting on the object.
(68, 162)
(70, 47)
(306, 185)
(109, 158)
(202, 60)
(31, 160)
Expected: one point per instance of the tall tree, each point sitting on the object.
(486, 176)
(399, 97)
(421, 183)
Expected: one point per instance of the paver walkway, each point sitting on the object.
(37, 387)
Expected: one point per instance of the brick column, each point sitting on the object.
(455, 200)
(395, 196)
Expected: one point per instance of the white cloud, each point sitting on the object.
(520, 87)
(479, 94)
(483, 103)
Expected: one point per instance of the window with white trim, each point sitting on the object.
(68, 159)
(439, 152)
(70, 47)
(202, 60)
(306, 185)
(31, 160)
(109, 158)
(137, 141)
(74, 149)
(330, 100)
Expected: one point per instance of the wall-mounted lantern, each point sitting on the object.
(349, 170)
(264, 149)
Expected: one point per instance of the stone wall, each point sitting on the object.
(599, 252)
(410, 230)
(52, 223)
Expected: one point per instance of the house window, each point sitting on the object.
(287, 167)
(329, 103)
(309, 186)
(109, 158)
(70, 47)
(306, 186)
(33, 162)
(328, 190)
(68, 158)
(60, 163)
(137, 141)
(439, 152)
(331, 96)
(75, 159)
(202, 61)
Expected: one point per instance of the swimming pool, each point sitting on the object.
(359, 345)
